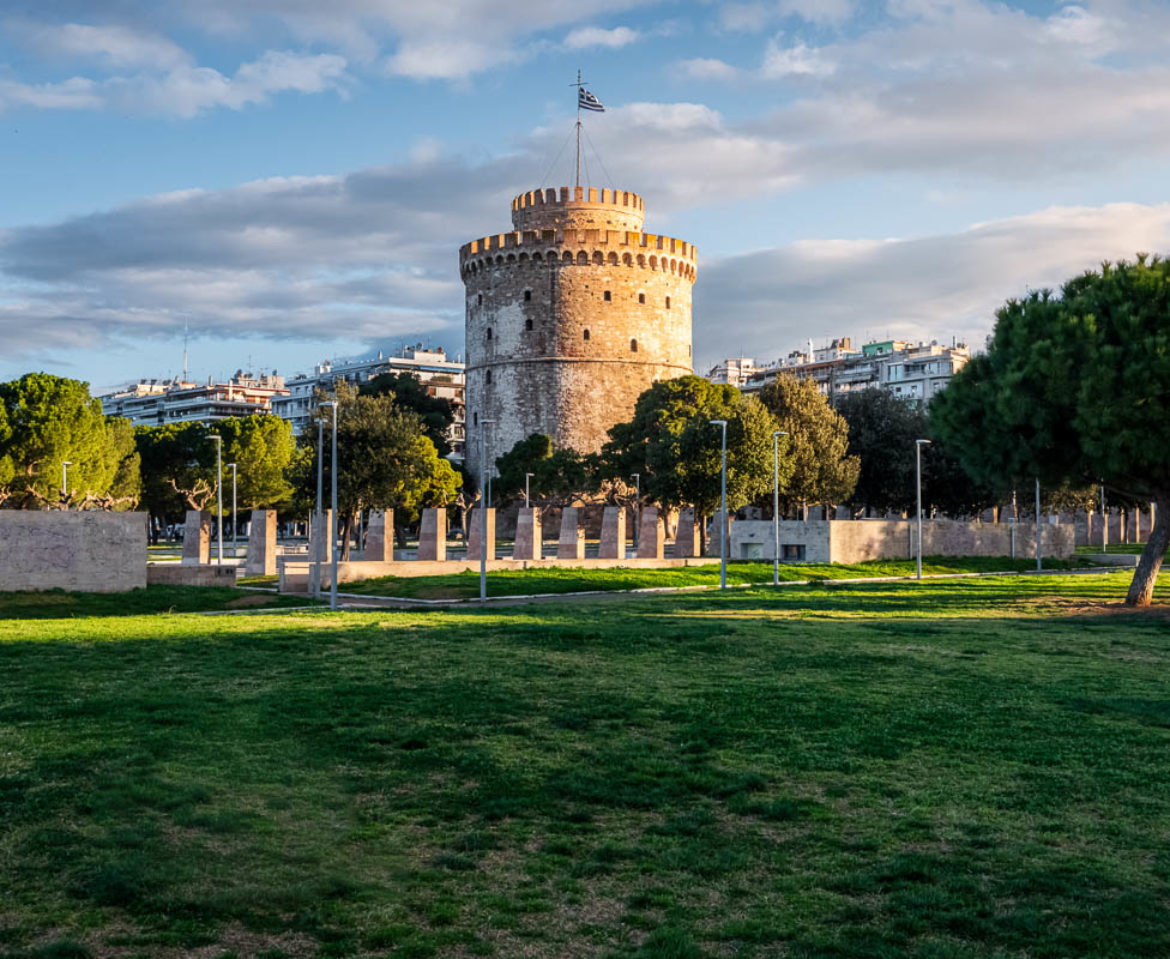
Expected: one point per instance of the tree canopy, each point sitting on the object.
(559, 475)
(1073, 390)
(46, 421)
(882, 432)
(384, 458)
(262, 448)
(671, 443)
(818, 438)
(411, 395)
(178, 468)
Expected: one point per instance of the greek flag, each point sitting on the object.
(587, 101)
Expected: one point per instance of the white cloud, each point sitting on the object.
(584, 37)
(916, 288)
(113, 45)
(186, 90)
(705, 68)
(798, 60)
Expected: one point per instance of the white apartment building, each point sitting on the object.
(156, 402)
(443, 378)
(734, 371)
(914, 372)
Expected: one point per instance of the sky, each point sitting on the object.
(290, 180)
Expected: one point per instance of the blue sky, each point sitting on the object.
(292, 179)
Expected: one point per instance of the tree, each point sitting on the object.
(882, 431)
(411, 395)
(262, 448)
(559, 476)
(671, 443)
(178, 468)
(1072, 390)
(48, 421)
(384, 460)
(818, 442)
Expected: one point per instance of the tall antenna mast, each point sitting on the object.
(578, 183)
(185, 325)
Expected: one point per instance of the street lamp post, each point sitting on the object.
(527, 477)
(722, 508)
(483, 481)
(235, 520)
(918, 444)
(316, 547)
(218, 495)
(776, 434)
(1039, 534)
(333, 512)
(1104, 523)
(637, 478)
(64, 480)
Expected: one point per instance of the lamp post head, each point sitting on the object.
(921, 442)
(718, 422)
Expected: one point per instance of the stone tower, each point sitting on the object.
(570, 317)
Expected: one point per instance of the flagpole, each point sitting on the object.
(578, 183)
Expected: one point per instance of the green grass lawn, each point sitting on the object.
(564, 580)
(1131, 548)
(961, 768)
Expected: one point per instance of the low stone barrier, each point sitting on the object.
(94, 552)
(176, 574)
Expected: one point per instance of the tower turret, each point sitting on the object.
(570, 318)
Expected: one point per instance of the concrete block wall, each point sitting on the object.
(94, 552)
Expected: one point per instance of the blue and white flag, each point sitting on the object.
(587, 101)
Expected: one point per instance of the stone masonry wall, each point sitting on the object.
(81, 552)
(547, 352)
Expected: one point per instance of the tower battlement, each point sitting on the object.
(578, 207)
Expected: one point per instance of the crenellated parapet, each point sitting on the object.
(600, 208)
(545, 248)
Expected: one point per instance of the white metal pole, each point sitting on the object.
(1104, 523)
(320, 508)
(918, 484)
(333, 518)
(527, 477)
(776, 505)
(637, 478)
(483, 480)
(219, 494)
(235, 519)
(1039, 534)
(723, 508)
(65, 480)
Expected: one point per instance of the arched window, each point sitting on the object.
(489, 376)
(475, 419)
(479, 300)
(641, 297)
(527, 296)
(586, 335)
(608, 298)
(528, 324)
(668, 302)
(489, 332)
(633, 346)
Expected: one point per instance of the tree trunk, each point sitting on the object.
(702, 521)
(1141, 590)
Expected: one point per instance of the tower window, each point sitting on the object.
(633, 346)
(668, 302)
(489, 332)
(641, 297)
(479, 300)
(475, 419)
(527, 296)
(607, 296)
(528, 324)
(489, 376)
(586, 335)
